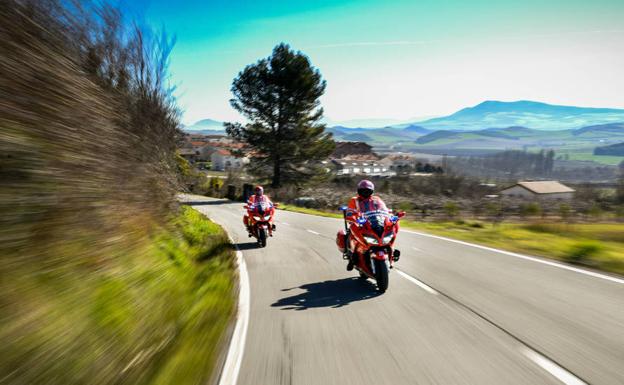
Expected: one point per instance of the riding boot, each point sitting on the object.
(351, 263)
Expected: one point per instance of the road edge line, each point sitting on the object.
(234, 358)
(522, 256)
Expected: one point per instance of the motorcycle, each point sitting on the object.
(370, 240)
(261, 221)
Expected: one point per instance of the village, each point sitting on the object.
(218, 154)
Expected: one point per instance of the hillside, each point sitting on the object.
(601, 130)
(612, 150)
(536, 115)
(205, 124)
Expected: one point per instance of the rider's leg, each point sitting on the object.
(246, 222)
(349, 253)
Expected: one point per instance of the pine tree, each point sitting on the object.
(279, 96)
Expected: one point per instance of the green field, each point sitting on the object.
(576, 144)
(588, 155)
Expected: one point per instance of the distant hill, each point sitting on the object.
(524, 113)
(601, 129)
(205, 124)
(357, 138)
(205, 132)
(363, 123)
(438, 135)
(377, 135)
(414, 129)
(612, 150)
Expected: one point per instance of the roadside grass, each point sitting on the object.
(154, 312)
(304, 210)
(595, 245)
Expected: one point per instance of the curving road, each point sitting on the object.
(453, 314)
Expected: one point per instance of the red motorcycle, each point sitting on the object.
(261, 221)
(370, 240)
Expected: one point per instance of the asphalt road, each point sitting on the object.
(453, 313)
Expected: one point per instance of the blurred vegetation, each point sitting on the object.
(151, 313)
(102, 279)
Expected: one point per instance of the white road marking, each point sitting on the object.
(285, 223)
(313, 232)
(521, 256)
(557, 371)
(416, 248)
(234, 358)
(422, 285)
(231, 368)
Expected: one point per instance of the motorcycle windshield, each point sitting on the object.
(377, 221)
(262, 207)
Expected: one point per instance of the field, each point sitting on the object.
(570, 144)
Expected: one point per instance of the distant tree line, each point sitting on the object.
(419, 167)
(613, 150)
(513, 162)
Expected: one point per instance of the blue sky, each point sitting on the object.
(401, 59)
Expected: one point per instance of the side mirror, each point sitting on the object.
(276, 205)
(400, 214)
(246, 207)
(343, 208)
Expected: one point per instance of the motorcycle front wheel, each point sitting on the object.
(262, 237)
(381, 275)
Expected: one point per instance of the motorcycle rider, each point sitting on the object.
(363, 203)
(257, 198)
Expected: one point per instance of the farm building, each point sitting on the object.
(539, 189)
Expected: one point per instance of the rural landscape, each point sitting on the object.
(183, 204)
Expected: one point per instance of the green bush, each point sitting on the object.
(565, 212)
(405, 206)
(595, 212)
(583, 253)
(530, 210)
(451, 209)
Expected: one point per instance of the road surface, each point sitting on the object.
(453, 313)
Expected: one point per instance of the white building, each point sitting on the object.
(223, 160)
(361, 167)
(539, 189)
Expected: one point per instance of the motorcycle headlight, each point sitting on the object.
(267, 217)
(257, 218)
(388, 238)
(371, 240)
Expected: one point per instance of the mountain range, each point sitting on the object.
(488, 127)
(204, 125)
(540, 116)
(489, 114)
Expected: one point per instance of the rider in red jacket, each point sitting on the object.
(364, 202)
(257, 198)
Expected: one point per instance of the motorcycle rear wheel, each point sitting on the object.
(381, 275)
